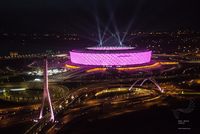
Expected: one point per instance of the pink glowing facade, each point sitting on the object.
(117, 57)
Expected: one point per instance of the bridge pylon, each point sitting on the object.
(46, 94)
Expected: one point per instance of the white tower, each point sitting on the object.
(46, 95)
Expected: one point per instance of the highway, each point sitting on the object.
(83, 102)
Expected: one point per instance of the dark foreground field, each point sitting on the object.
(155, 120)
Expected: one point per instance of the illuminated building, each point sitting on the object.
(98, 59)
(110, 56)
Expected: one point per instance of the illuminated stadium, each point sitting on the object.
(110, 56)
(119, 58)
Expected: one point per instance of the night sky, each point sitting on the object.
(83, 16)
(75, 15)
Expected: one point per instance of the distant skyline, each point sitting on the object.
(80, 15)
